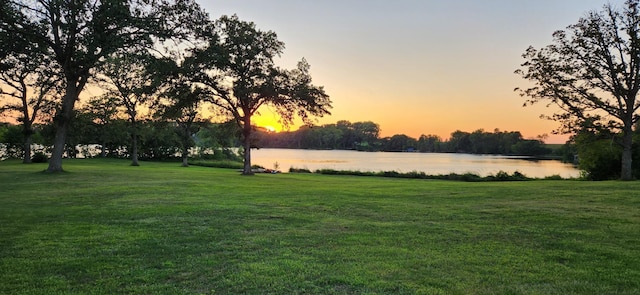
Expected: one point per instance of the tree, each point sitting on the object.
(27, 87)
(331, 136)
(400, 143)
(178, 100)
(592, 73)
(237, 68)
(366, 134)
(459, 142)
(181, 105)
(79, 34)
(429, 143)
(133, 86)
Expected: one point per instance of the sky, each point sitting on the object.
(416, 66)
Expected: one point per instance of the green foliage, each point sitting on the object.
(221, 158)
(566, 152)
(364, 136)
(504, 176)
(399, 143)
(217, 163)
(39, 157)
(430, 144)
(114, 138)
(209, 231)
(299, 170)
(221, 154)
(530, 147)
(158, 141)
(599, 159)
(600, 155)
(467, 177)
(13, 140)
(553, 177)
(3, 129)
(217, 137)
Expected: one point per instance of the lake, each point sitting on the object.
(429, 163)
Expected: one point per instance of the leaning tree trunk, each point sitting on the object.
(246, 137)
(626, 172)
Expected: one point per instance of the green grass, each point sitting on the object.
(105, 227)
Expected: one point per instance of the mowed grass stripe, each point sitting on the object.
(105, 227)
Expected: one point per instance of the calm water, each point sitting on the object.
(429, 163)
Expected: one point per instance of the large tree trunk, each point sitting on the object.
(246, 137)
(247, 158)
(55, 163)
(627, 154)
(62, 123)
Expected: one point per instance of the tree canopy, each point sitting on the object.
(238, 71)
(27, 86)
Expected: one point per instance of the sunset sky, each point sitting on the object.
(416, 67)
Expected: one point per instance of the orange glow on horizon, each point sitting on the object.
(268, 122)
(415, 123)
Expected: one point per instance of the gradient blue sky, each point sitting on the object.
(416, 67)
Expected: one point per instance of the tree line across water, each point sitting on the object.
(598, 155)
(365, 136)
(164, 139)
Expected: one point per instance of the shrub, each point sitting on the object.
(218, 164)
(299, 170)
(504, 176)
(391, 174)
(39, 157)
(467, 177)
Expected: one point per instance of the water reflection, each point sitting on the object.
(429, 163)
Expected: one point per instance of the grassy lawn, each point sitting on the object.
(105, 227)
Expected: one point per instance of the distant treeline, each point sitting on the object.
(158, 140)
(161, 139)
(365, 136)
